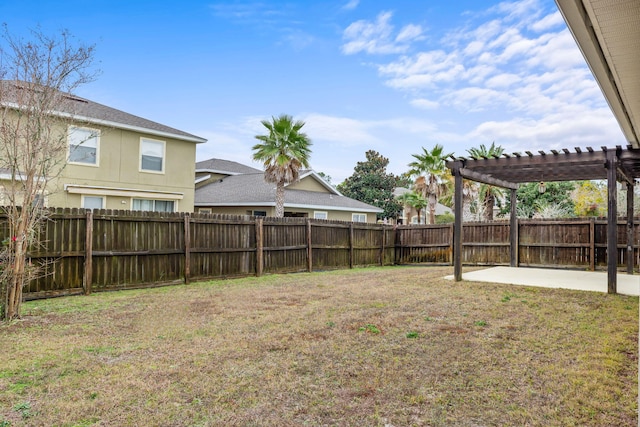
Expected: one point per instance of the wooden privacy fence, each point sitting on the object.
(83, 251)
(566, 243)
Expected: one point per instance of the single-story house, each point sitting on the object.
(228, 187)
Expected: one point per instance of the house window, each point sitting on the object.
(152, 155)
(84, 146)
(359, 217)
(38, 201)
(93, 202)
(320, 215)
(153, 205)
(204, 211)
(259, 213)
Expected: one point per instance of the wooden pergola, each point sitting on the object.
(510, 170)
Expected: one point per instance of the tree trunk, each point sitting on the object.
(280, 200)
(16, 278)
(489, 201)
(433, 201)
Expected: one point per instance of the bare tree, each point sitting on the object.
(37, 78)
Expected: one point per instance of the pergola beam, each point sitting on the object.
(487, 179)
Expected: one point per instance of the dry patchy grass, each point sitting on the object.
(396, 346)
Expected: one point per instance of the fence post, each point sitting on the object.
(351, 245)
(259, 246)
(309, 248)
(187, 248)
(88, 254)
(592, 244)
(451, 242)
(384, 241)
(514, 235)
(630, 260)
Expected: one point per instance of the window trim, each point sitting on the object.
(325, 213)
(70, 128)
(175, 204)
(359, 215)
(164, 155)
(103, 198)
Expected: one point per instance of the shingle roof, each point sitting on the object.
(93, 112)
(253, 190)
(224, 166)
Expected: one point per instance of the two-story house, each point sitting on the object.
(116, 160)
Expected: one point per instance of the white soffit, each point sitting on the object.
(608, 33)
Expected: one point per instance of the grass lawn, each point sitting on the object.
(393, 346)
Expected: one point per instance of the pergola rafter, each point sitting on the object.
(510, 170)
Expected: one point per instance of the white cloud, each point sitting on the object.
(521, 11)
(377, 37)
(228, 146)
(519, 59)
(548, 22)
(351, 5)
(342, 130)
(503, 80)
(425, 104)
(409, 33)
(566, 130)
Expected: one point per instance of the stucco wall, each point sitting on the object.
(118, 169)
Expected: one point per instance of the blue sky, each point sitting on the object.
(389, 76)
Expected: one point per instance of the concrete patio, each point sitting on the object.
(550, 278)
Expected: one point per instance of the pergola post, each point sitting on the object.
(513, 231)
(612, 222)
(630, 236)
(457, 223)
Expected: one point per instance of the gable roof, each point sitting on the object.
(253, 190)
(225, 167)
(92, 112)
(318, 178)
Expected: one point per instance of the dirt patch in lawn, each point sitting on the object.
(394, 346)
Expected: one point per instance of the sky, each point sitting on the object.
(394, 77)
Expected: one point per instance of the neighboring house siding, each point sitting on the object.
(119, 178)
(308, 184)
(103, 163)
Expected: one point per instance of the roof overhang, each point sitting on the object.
(608, 34)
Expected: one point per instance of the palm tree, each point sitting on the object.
(488, 193)
(470, 191)
(430, 169)
(413, 200)
(284, 152)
